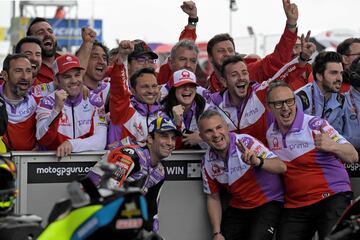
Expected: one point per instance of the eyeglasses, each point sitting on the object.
(279, 104)
(143, 60)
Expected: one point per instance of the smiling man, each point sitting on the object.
(144, 163)
(317, 186)
(42, 29)
(20, 104)
(65, 121)
(132, 108)
(243, 103)
(248, 171)
(31, 47)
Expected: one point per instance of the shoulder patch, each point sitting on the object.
(304, 99)
(316, 123)
(96, 100)
(47, 102)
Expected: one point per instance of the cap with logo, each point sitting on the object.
(184, 76)
(141, 48)
(163, 124)
(65, 63)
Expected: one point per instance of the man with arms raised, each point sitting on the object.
(222, 46)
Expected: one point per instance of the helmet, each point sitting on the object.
(126, 161)
(7, 186)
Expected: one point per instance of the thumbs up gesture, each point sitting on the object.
(248, 156)
(322, 141)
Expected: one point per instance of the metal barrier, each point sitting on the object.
(42, 181)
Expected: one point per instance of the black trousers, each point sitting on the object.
(302, 223)
(251, 224)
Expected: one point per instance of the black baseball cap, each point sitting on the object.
(141, 48)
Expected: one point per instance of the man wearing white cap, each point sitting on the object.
(65, 121)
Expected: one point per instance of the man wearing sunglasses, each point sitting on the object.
(322, 98)
(317, 186)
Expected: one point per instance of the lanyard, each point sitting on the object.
(354, 110)
(187, 119)
(313, 110)
(239, 115)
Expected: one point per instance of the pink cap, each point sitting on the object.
(66, 62)
(184, 76)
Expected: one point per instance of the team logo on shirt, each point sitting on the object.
(139, 129)
(64, 120)
(275, 144)
(316, 123)
(217, 170)
(248, 142)
(85, 107)
(325, 195)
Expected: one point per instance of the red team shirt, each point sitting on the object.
(249, 187)
(311, 175)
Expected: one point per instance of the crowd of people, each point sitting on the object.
(276, 130)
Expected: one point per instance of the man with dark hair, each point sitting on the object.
(242, 104)
(317, 186)
(20, 104)
(349, 50)
(133, 107)
(322, 98)
(41, 28)
(145, 163)
(222, 45)
(65, 121)
(31, 47)
(141, 57)
(248, 171)
(95, 75)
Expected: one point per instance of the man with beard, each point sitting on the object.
(317, 186)
(65, 121)
(31, 47)
(222, 46)
(242, 104)
(352, 106)
(20, 104)
(42, 29)
(145, 163)
(349, 50)
(322, 98)
(94, 77)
